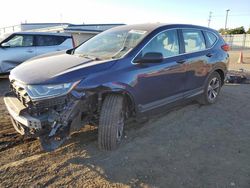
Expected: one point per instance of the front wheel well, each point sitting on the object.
(128, 100)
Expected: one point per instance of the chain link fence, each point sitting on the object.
(238, 42)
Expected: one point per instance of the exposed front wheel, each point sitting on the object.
(111, 122)
(212, 89)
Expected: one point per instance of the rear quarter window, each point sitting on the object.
(211, 39)
(42, 40)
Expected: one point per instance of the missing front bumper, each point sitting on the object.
(21, 120)
(52, 128)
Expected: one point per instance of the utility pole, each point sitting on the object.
(209, 18)
(61, 16)
(226, 18)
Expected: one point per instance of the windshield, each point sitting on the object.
(110, 44)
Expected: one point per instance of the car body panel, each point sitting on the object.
(11, 57)
(57, 68)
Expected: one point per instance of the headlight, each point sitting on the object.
(48, 91)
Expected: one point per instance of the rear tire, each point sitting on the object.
(111, 122)
(212, 89)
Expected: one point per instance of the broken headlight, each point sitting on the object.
(48, 91)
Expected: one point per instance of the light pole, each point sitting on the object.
(226, 18)
(209, 18)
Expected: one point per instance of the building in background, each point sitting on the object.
(80, 33)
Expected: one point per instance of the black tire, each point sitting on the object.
(111, 122)
(211, 90)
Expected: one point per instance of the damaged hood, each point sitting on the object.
(57, 68)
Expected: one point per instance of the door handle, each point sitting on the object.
(30, 51)
(181, 61)
(209, 55)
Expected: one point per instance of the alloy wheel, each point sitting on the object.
(213, 89)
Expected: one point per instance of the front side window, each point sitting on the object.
(194, 40)
(20, 41)
(165, 43)
(111, 44)
(42, 40)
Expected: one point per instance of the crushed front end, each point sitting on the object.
(50, 119)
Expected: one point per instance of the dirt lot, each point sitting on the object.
(192, 146)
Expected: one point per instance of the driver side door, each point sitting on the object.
(159, 84)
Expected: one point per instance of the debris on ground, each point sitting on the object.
(241, 76)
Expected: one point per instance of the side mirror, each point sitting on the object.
(151, 57)
(5, 45)
(69, 51)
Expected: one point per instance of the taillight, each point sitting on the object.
(225, 47)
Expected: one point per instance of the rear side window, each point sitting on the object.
(194, 40)
(211, 39)
(42, 40)
(165, 43)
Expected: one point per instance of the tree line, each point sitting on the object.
(237, 30)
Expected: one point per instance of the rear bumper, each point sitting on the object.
(21, 119)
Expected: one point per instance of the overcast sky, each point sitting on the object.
(126, 11)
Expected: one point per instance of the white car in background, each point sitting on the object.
(22, 46)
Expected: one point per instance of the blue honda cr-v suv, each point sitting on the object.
(127, 71)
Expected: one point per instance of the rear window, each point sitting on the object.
(194, 40)
(211, 39)
(42, 40)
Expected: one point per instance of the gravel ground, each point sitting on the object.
(191, 146)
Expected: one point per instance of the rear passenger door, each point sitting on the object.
(46, 43)
(196, 61)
